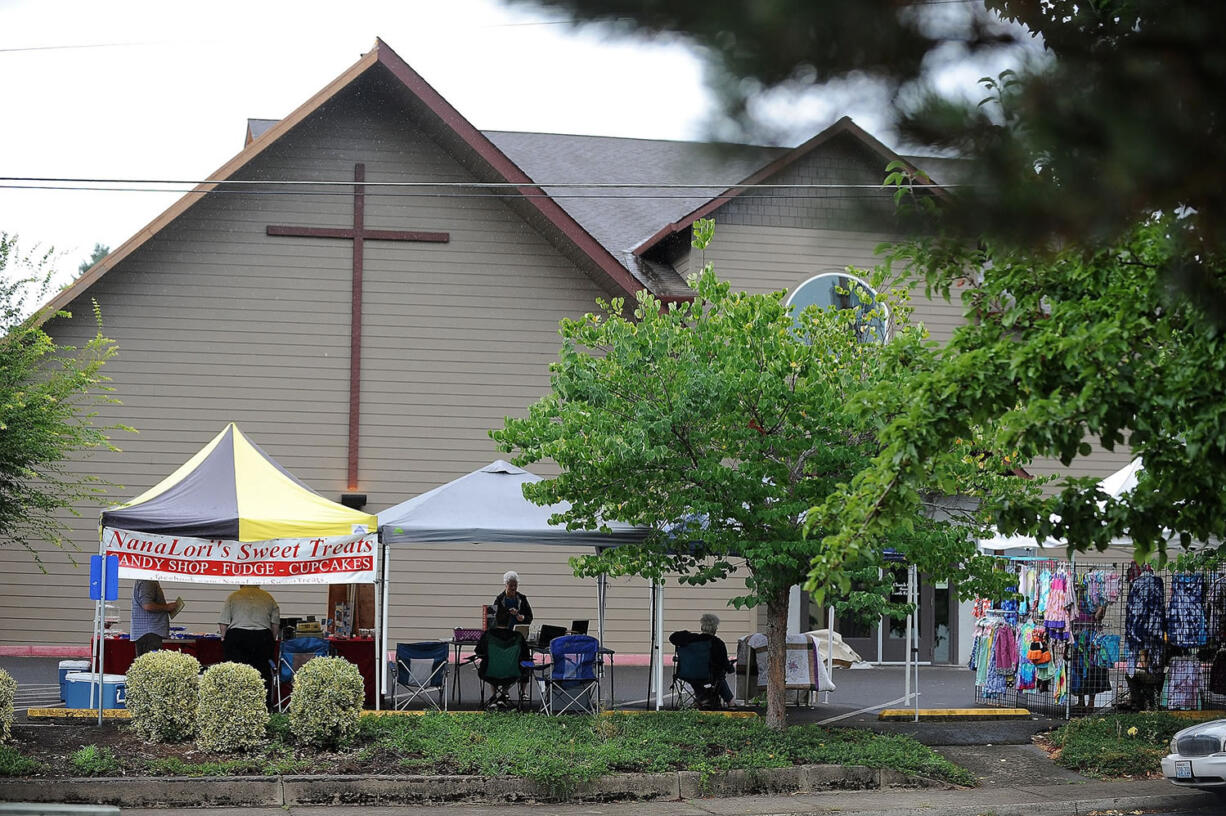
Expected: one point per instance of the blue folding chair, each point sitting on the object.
(421, 670)
(293, 655)
(571, 679)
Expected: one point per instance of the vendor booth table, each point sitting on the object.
(120, 652)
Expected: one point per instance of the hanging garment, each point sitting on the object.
(1145, 617)
(1059, 599)
(1183, 684)
(1113, 586)
(981, 607)
(1185, 617)
(1044, 590)
(1216, 604)
(1217, 673)
(1004, 651)
(1087, 674)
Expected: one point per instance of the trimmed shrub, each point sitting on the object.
(8, 691)
(231, 715)
(326, 702)
(161, 695)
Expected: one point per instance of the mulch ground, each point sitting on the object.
(53, 744)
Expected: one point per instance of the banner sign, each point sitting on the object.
(347, 559)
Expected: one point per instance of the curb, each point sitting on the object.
(1056, 807)
(289, 791)
(953, 714)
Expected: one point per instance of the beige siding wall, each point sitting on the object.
(216, 321)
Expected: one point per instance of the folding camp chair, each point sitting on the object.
(294, 654)
(502, 669)
(693, 683)
(421, 670)
(571, 680)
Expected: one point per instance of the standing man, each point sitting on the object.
(250, 623)
(150, 616)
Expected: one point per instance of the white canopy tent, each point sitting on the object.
(1116, 485)
(488, 507)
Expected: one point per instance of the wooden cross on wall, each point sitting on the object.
(359, 235)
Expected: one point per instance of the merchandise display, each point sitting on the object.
(1073, 638)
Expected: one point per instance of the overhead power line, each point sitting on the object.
(878, 194)
(482, 185)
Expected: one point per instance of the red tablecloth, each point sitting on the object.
(360, 652)
(120, 652)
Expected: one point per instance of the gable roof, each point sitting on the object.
(457, 131)
(844, 126)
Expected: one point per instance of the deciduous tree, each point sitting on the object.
(49, 400)
(720, 423)
(1060, 349)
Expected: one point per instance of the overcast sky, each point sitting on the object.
(136, 89)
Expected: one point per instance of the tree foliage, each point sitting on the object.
(49, 400)
(1116, 103)
(1061, 349)
(720, 423)
(100, 252)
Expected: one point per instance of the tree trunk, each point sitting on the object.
(776, 660)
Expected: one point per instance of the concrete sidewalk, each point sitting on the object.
(1025, 798)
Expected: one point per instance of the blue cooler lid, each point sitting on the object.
(88, 677)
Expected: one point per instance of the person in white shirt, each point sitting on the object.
(250, 623)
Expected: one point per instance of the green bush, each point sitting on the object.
(161, 689)
(94, 761)
(1116, 745)
(326, 702)
(231, 715)
(8, 691)
(12, 763)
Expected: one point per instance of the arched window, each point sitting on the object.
(838, 290)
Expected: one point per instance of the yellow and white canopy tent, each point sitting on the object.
(232, 515)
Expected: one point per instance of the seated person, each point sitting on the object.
(513, 600)
(502, 635)
(708, 624)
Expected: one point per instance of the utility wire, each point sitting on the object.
(721, 185)
(880, 193)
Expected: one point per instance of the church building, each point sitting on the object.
(369, 325)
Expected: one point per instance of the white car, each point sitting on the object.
(1198, 757)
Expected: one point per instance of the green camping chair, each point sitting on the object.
(502, 669)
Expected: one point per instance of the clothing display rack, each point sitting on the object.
(1117, 636)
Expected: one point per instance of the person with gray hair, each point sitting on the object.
(719, 663)
(512, 600)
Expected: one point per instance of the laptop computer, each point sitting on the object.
(523, 629)
(578, 627)
(547, 634)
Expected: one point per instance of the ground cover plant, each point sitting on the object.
(1116, 745)
(557, 753)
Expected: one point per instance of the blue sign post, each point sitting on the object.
(103, 577)
(103, 586)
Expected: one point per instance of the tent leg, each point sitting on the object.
(387, 576)
(380, 670)
(657, 591)
(829, 647)
(651, 655)
(602, 593)
(100, 625)
(913, 586)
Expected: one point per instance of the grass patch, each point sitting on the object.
(1107, 747)
(12, 763)
(557, 753)
(94, 761)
